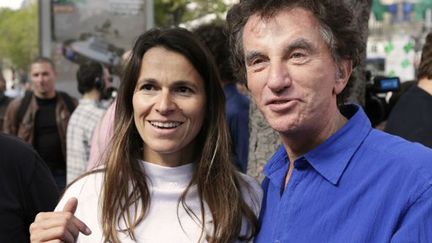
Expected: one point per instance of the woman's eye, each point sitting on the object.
(147, 87)
(183, 89)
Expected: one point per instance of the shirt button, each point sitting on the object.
(277, 241)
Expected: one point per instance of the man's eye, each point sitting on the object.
(297, 55)
(256, 61)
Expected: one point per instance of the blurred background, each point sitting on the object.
(71, 31)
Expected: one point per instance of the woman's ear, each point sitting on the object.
(343, 73)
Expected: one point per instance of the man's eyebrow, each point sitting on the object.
(300, 43)
(252, 55)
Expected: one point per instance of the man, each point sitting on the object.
(4, 99)
(236, 104)
(92, 79)
(411, 118)
(335, 178)
(26, 188)
(41, 117)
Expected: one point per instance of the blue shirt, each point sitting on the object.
(237, 115)
(360, 185)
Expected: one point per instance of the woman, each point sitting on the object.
(168, 174)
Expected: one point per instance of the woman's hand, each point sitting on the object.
(58, 226)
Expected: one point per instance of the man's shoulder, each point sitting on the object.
(64, 95)
(9, 141)
(398, 146)
(16, 101)
(400, 153)
(15, 151)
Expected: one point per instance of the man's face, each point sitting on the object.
(290, 71)
(43, 78)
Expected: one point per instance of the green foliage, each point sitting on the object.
(19, 36)
(174, 12)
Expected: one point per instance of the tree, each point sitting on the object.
(175, 12)
(263, 140)
(19, 36)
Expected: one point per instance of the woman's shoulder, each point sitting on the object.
(251, 191)
(87, 188)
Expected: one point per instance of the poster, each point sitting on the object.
(98, 30)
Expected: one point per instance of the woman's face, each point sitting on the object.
(169, 107)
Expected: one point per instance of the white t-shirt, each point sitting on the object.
(161, 224)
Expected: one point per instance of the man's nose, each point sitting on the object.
(165, 103)
(279, 78)
(37, 78)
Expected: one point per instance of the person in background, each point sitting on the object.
(167, 166)
(334, 178)
(104, 129)
(92, 79)
(26, 188)
(4, 99)
(236, 104)
(101, 138)
(41, 117)
(411, 117)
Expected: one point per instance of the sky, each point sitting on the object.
(13, 4)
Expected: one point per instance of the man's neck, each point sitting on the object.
(92, 95)
(299, 144)
(425, 84)
(46, 96)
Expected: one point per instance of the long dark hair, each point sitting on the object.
(217, 181)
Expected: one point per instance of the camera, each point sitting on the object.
(377, 107)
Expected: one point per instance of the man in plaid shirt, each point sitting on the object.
(92, 78)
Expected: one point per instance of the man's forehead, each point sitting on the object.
(283, 26)
(41, 66)
(259, 22)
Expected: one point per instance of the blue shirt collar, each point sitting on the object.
(330, 158)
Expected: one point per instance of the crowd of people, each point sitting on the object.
(166, 160)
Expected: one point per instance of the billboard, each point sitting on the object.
(98, 30)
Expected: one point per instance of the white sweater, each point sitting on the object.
(161, 224)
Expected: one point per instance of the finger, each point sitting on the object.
(55, 234)
(45, 222)
(54, 241)
(71, 205)
(64, 227)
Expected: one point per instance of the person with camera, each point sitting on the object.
(411, 117)
(92, 79)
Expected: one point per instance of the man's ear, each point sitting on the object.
(343, 73)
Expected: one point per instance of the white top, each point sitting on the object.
(161, 224)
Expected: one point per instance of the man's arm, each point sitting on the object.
(10, 122)
(416, 224)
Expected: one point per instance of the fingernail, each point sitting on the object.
(87, 231)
